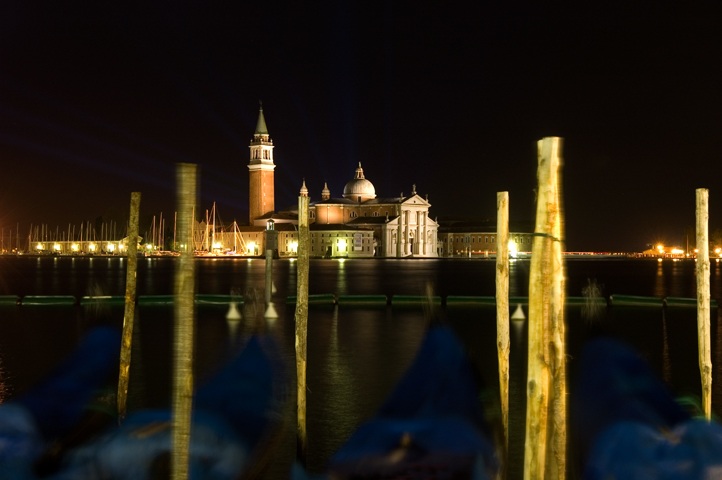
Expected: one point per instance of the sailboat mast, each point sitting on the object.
(152, 242)
(207, 227)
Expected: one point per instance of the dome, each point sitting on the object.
(359, 188)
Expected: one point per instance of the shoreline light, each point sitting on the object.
(513, 252)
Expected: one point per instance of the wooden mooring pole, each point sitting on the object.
(545, 442)
(186, 174)
(703, 300)
(302, 325)
(129, 315)
(269, 277)
(502, 306)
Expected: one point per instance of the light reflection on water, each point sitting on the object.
(659, 281)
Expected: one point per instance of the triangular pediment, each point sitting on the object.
(416, 200)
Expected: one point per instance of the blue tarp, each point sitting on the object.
(432, 421)
(629, 426)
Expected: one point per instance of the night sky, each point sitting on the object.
(99, 99)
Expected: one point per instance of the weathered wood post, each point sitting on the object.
(502, 305)
(184, 322)
(545, 443)
(129, 315)
(557, 447)
(703, 300)
(302, 324)
(269, 277)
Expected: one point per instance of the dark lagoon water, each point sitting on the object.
(355, 355)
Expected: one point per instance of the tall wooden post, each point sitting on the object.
(557, 446)
(186, 174)
(703, 300)
(502, 305)
(269, 277)
(128, 316)
(302, 324)
(546, 374)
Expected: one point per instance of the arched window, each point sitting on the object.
(376, 214)
(353, 215)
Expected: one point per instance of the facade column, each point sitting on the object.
(419, 238)
(398, 234)
(426, 233)
(406, 232)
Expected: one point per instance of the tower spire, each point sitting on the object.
(261, 128)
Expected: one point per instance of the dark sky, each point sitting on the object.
(99, 99)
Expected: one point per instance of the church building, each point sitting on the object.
(357, 224)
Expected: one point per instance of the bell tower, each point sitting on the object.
(261, 166)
